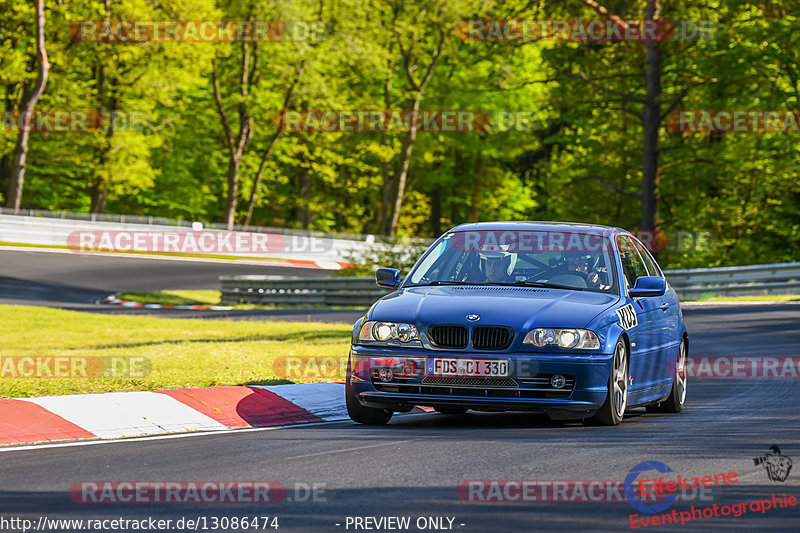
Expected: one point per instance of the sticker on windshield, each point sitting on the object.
(627, 317)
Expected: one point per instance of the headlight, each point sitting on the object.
(582, 339)
(373, 331)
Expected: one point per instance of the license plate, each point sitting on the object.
(464, 367)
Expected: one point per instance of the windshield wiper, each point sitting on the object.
(544, 284)
(512, 284)
(445, 283)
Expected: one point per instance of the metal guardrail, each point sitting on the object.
(162, 221)
(287, 290)
(328, 250)
(753, 280)
(781, 278)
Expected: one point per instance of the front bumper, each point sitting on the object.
(527, 388)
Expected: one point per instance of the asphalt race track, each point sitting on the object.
(73, 281)
(411, 467)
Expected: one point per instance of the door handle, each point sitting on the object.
(664, 306)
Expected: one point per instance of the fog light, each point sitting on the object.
(558, 381)
(385, 374)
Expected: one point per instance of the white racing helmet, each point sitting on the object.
(498, 253)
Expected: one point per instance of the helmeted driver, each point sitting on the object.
(496, 264)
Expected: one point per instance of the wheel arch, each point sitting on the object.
(624, 336)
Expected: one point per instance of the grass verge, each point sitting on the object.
(179, 353)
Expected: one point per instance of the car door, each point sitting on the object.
(667, 337)
(645, 354)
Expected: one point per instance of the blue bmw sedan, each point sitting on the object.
(573, 320)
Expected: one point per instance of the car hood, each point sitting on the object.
(518, 307)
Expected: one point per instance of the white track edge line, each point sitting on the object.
(28, 447)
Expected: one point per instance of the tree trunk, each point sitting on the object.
(237, 144)
(436, 212)
(651, 116)
(270, 146)
(475, 199)
(306, 185)
(257, 181)
(388, 193)
(234, 166)
(98, 195)
(98, 188)
(651, 119)
(405, 162)
(16, 180)
(395, 187)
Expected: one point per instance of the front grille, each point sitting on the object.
(491, 338)
(449, 336)
(535, 387)
(471, 382)
(479, 392)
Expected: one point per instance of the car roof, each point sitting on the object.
(535, 225)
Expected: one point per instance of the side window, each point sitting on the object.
(650, 263)
(632, 264)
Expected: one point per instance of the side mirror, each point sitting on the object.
(388, 278)
(648, 286)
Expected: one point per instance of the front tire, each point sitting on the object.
(361, 414)
(613, 409)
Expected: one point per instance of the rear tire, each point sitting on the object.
(613, 409)
(361, 414)
(451, 410)
(676, 399)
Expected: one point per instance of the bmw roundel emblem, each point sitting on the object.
(473, 317)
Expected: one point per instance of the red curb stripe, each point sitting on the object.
(25, 423)
(302, 263)
(241, 407)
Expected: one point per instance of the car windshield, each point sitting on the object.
(571, 260)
